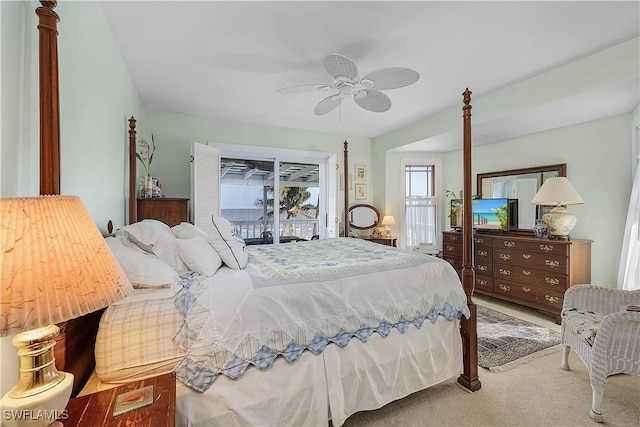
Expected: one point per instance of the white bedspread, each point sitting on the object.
(236, 319)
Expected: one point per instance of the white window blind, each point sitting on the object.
(420, 220)
(420, 205)
(205, 185)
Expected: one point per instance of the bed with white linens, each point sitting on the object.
(290, 334)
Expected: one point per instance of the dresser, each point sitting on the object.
(523, 269)
(171, 211)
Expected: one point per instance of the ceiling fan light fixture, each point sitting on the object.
(366, 91)
(366, 83)
(361, 94)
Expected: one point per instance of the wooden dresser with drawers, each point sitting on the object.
(525, 270)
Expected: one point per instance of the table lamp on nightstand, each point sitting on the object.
(387, 221)
(55, 266)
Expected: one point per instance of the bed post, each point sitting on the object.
(346, 189)
(133, 213)
(49, 99)
(468, 327)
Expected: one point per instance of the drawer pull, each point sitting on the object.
(482, 282)
(551, 281)
(505, 272)
(551, 263)
(509, 244)
(450, 248)
(453, 238)
(505, 288)
(451, 261)
(479, 240)
(551, 299)
(526, 272)
(526, 289)
(526, 256)
(482, 267)
(505, 256)
(546, 248)
(482, 253)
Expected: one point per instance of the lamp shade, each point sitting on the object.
(388, 220)
(55, 263)
(557, 191)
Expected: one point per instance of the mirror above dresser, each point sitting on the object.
(521, 184)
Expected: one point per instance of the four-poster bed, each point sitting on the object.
(308, 363)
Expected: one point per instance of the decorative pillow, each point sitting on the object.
(583, 323)
(227, 241)
(184, 230)
(199, 256)
(156, 237)
(142, 269)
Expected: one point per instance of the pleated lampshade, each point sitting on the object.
(56, 265)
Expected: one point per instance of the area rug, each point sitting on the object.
(505, 341)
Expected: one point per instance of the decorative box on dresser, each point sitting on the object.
(171, 211)
(524, 269)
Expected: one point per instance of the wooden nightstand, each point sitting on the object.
(389, 241)
(97, 409)
(170, 211)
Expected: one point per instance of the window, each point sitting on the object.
(243, 180)
(420, 204)
(248, 188)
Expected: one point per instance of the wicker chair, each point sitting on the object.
(597, 326)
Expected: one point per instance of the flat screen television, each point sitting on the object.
(488, 214)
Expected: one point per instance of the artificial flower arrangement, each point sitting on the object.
(149, 186)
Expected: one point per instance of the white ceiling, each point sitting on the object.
(227, 59)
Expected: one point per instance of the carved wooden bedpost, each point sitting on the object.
(133, 203)
(49, 99)
(346, 189)
(468, 327)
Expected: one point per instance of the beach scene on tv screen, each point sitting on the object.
(490, 214)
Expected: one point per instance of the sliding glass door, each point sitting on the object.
(271, 207)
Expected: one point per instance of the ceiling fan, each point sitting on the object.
(365, 91)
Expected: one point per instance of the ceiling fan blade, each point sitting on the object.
(328, 104)
(304, 88)
(340, 66)
(392, 78)
(373, 100)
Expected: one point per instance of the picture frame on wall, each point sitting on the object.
(361, 191)
(361, 173)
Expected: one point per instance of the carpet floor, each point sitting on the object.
(505, 341)
(537, 393)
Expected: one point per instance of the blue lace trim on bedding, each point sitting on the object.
(199, 372)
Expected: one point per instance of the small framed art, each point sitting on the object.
(361, 191)
(361, 173)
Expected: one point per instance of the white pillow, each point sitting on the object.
(156, 237)
(227, 241)
(199, 256)
(142, 269)
(184, 230)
